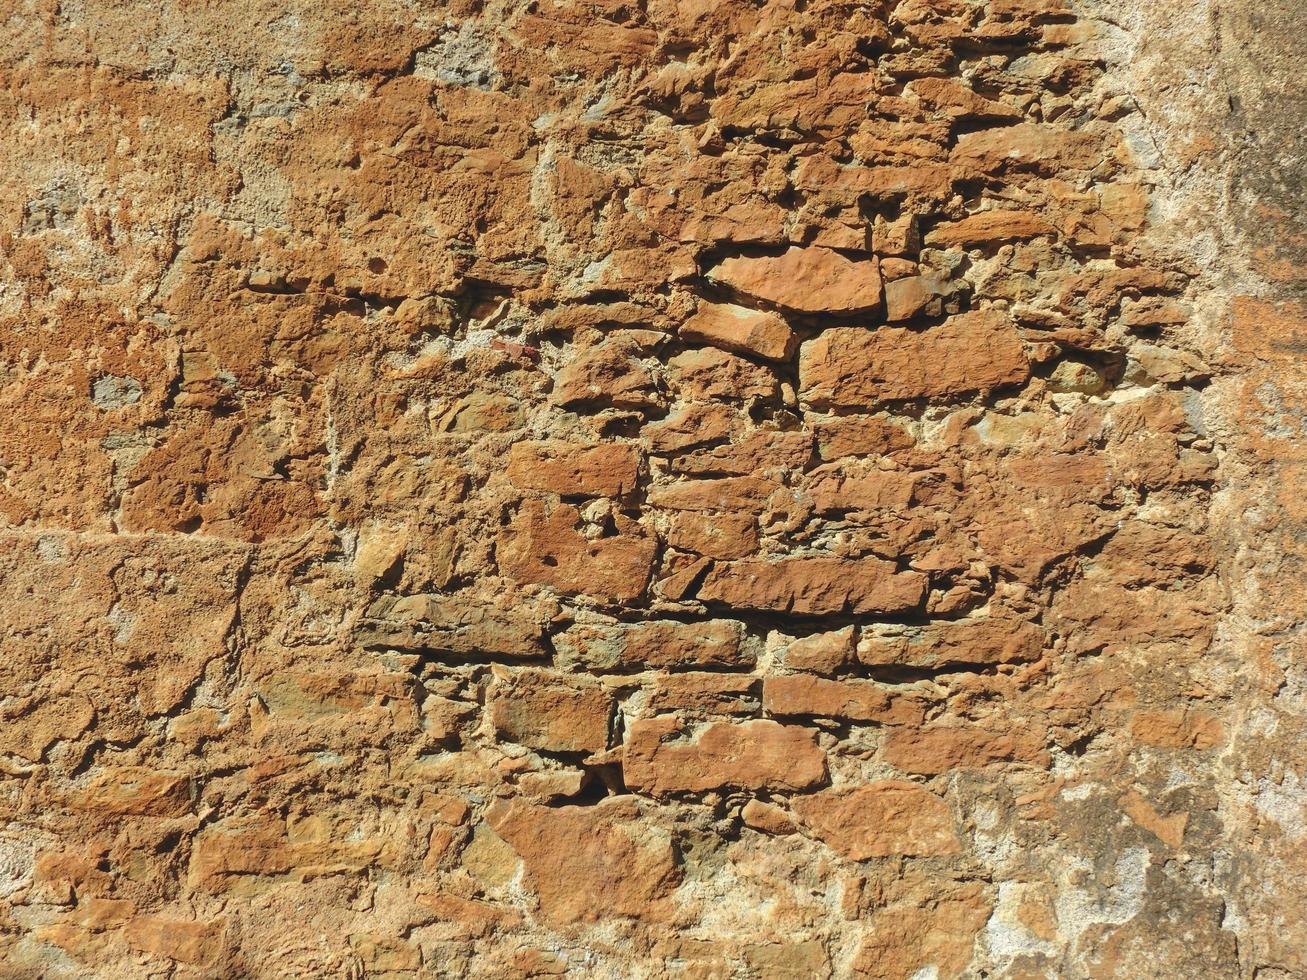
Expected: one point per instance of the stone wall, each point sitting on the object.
(761, 488)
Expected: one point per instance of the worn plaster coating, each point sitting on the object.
(672, 489)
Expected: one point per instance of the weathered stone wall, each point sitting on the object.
(758, 488)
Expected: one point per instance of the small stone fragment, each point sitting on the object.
(552, 784)
(380, 553)
(112, 391)
(914, 296)
(1168, 829)
(767, 818)
(677, 578)
(1071, 376)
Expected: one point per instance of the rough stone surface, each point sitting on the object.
(739, 329)
(548, 711)
(569, 469)
(880, 819)
(854, 368)
(587, 865)
(653, 490)
(753, 755)
(817, 586)
(809, 280)
(850, 700)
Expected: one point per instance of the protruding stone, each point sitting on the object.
(550, 711)
(608, 374)
(742, 330)
(552, 784)
(1074, 376)
(723, 536)
(705, 693)
(914, 296)
(737, 493)
(694, 425)
(754, 755)
(850, 700)
(851, 367)
(653, 644)
(989, 228)
(860, 435)
(709, 374)
(819, 653)
(810, 280)
(814, 586)
(997, 640)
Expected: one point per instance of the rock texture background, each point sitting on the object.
(783, 489)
